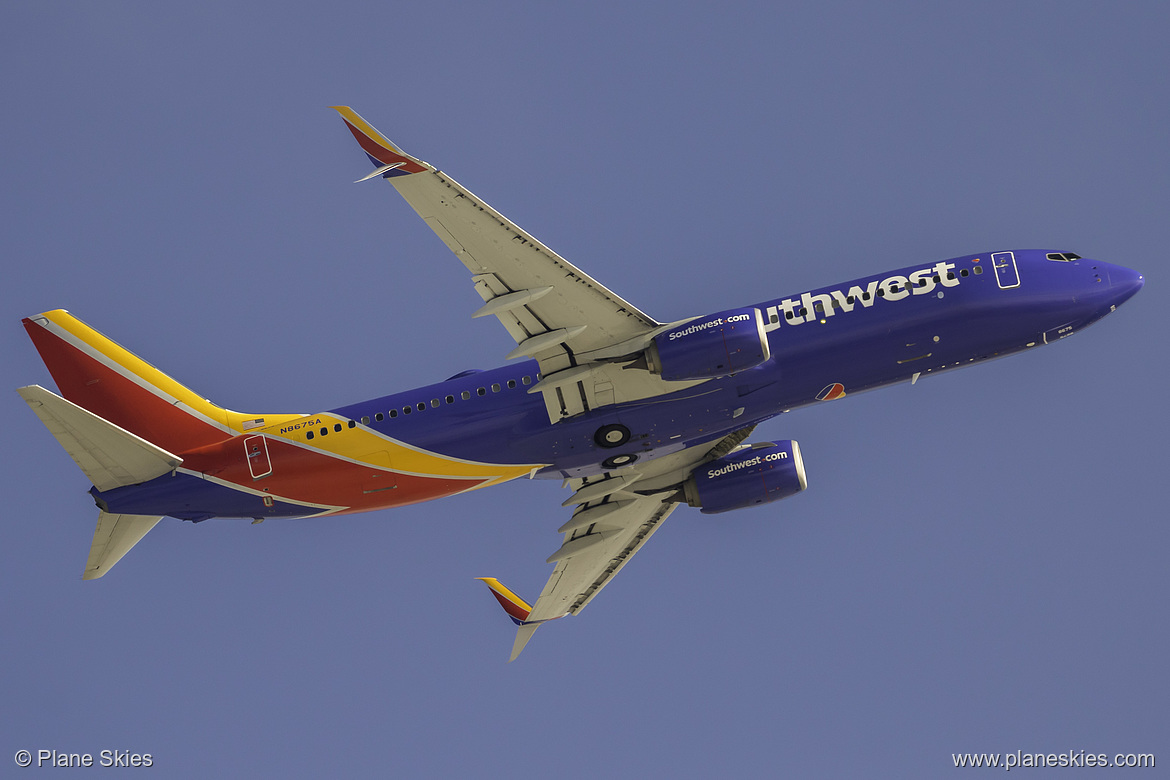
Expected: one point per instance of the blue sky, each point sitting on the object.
(979, 564)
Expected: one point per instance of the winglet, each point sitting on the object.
(523, 634)
(517, 608)
(390, 160)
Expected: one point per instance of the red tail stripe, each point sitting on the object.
(103, 391)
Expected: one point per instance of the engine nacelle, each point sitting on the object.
(712, 346)
(760, 474)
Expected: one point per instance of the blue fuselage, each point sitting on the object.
(862, 335)
(823, 344)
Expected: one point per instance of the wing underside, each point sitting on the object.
(573, 325)
(614, 515)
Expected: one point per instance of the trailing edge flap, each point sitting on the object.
(115, 536)
(109, 455)
(591, 556)
(624, 508)
(533, 290)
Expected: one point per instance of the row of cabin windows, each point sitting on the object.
(881, 293)
(336, 428)
(422, 405)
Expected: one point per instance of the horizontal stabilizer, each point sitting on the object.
(109, 455)
(114, 536)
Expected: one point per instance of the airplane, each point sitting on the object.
(634, 415)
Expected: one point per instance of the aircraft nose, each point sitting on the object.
(1124, 283)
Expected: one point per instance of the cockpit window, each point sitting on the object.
(1063, 257)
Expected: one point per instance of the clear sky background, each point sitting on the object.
(979, 563)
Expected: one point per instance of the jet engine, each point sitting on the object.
(759, 474)
(707, 347)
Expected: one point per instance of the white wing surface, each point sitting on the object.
(615, 514)
(573, 325)
(580, 333)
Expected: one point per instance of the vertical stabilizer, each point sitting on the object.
(108, 380)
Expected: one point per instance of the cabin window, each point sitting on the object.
(496, 387)
(511, 384)
(352, 424)
(775, 318)
(865, 295)
(309, 435)
(527, 380)
(379, 416)
(481, 391)
(978, 270)
(465, 395)
(324, 431)
(365, 421)
(964, 272)
(450, 399)
(337, 427)
(434, 403)
(393, 412)
(407, 410)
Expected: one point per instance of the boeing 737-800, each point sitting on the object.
(636, 416)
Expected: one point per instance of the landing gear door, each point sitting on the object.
(1006, 274)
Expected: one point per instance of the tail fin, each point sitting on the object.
(518, 609)
(103, 378)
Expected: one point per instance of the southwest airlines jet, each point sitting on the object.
(636, 416)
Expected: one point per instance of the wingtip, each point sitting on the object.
(517, 608)
(382, 152)
(523, 634)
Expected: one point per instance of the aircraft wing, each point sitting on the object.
(572, 324)
(615, 514)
